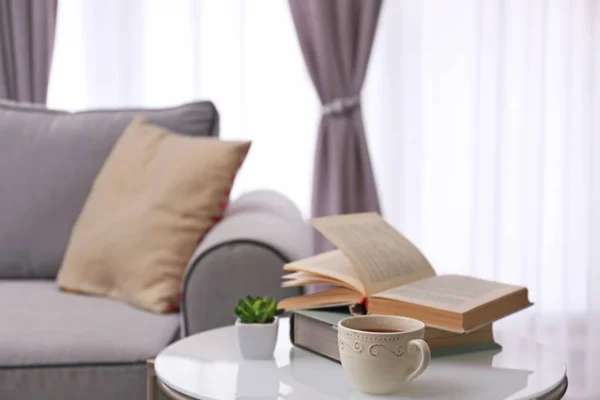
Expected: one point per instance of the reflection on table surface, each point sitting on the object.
(296, 374)
(445, 378)
(575, 338)
(296, 381)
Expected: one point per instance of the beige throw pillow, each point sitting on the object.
(156, 196)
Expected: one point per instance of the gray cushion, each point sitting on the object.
(48, 161)
(95, 382)
(41, 326)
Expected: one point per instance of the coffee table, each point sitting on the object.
(208, 366)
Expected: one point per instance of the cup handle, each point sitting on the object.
(421, 346)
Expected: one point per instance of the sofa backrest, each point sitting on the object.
(48, 162)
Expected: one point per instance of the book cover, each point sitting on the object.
(316, 331)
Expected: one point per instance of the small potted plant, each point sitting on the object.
(256, 327)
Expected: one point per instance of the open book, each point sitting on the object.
(375, 261)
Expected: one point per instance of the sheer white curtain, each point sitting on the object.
(482, 117)
(485, 135)
(243, 56)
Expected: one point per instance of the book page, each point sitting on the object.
(299, 279)
(294, 275)
(316, 281)
(383, 258)
(333, 264)
(454, 293)
(326, 298)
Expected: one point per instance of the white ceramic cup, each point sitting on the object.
(382, 362)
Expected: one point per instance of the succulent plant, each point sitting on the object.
(257, 310)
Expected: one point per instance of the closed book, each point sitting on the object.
(316, 331)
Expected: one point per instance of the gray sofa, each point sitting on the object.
(55, 345)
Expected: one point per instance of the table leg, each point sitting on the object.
(150, 381)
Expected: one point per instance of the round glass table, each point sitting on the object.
(208, 366)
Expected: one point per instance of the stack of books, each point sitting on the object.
(316, 331)
(377, 266)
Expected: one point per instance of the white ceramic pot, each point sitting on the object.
(257, 341)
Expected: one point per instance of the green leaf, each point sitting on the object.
(270, 307)
(247, 308)
(262, 317)
(237, 311)
(257, 305)
(248, 312)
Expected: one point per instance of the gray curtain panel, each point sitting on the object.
(336, 37)
(26, 42)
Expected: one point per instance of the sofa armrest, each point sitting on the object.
(243, 254)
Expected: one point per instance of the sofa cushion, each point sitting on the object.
(48, 161)
(152, 202)
(42, 326)
(75, 382)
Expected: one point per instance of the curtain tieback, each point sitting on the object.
(340, 105)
